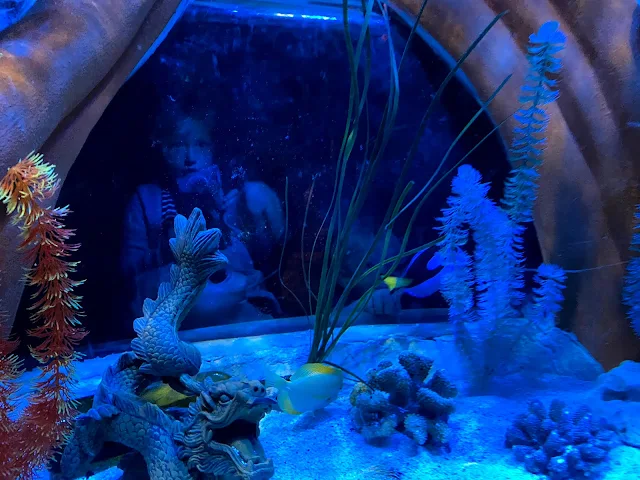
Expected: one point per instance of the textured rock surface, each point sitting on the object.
(618, 397)
(621, 383)
(60, 67)
(525, 354)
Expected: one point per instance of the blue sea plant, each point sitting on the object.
(561, 443)
(525, 155)
(486, 283)
(540, 89)
(631, 291)
(550, 281)
(481, 286)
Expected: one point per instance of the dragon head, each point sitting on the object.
(220, 438)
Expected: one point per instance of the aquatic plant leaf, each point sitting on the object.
(539, 89)
(548, 297)
(631, 289)
(45, 423)
(487, 285)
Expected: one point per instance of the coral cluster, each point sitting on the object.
(410, 397)
(561, 443)
(46, 421)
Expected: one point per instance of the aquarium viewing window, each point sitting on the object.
(268, 82)
(318, 240)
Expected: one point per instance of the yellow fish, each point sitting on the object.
(312, 387)
(162, 395)
(393, 283)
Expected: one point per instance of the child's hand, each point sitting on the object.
(193, 183)
(204, 183)
(384, 303)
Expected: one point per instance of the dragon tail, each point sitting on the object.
(197, 257)
(195, 247)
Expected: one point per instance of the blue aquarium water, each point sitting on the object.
(306, 241)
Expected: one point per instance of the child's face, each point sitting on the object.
(190, 149)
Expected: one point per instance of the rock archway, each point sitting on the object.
(55, 87)
(59, 69)
(589, 182)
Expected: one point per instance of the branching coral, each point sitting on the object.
(46, 420)
(409, 397)
(561, 443)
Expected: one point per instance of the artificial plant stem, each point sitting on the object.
(323, 305)
(357, 310)
(360, 195)
(455, 142)
(415, 26)
(286, 233)
(306, 275)
(356, 277)
(409, 159)
(423, 124)
(418, 208)
(465, 156)
(353, 210)
(402, 256)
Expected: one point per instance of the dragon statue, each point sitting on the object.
(214, 436)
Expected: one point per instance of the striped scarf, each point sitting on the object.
(169, 210)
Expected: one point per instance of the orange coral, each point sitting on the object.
(46, 420)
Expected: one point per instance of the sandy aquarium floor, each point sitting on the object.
(323, 445)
